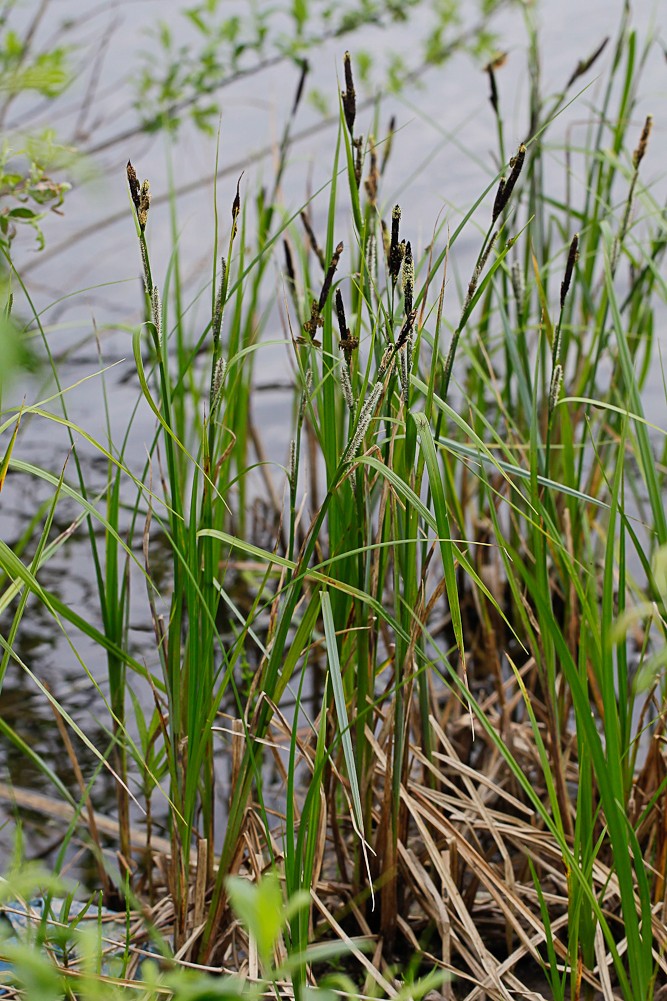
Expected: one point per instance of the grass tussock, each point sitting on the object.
(420, 710)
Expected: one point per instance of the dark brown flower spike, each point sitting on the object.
(572, 259)
(585, 64)
(289, 267)
(328, 278)
(144, 205)
(395, 249)
(348, 95)
(133, 182)
(140, 194)
(347, 342)
(639, 153)
(358, 144)
(506, 187)
(340, 314)
(236, 205)
(406, 329)
(493, 95)
(315, 321)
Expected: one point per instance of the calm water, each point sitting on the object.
(443, 158)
